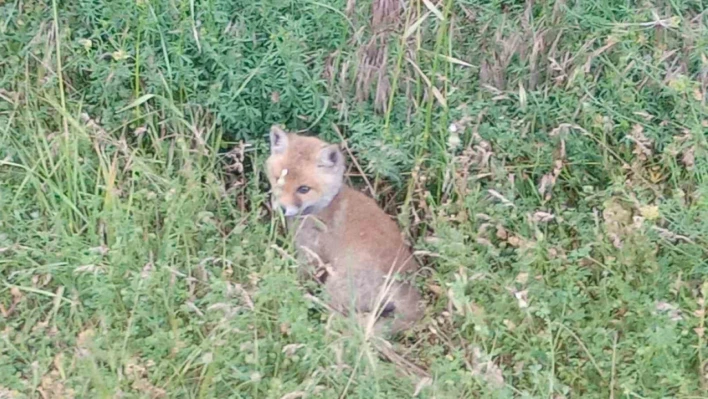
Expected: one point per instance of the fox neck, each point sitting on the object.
(327, 200)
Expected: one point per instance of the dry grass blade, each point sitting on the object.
(354, 160)
(433, 9)
(404, 365)
(385, 13)
(351, 6)
(501, 198)
(434, 90)
(456, 61)
(439, 96)
(424, 382)
(245, 296)
(415, 26)
(420, 72)
(372, 67)
(373, 56)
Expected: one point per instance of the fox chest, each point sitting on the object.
(313, 240)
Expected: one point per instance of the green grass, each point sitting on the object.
(138, 258)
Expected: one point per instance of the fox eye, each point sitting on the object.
(303, 189)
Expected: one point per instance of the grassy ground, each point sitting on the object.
(547, 158)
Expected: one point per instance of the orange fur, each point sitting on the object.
(337, 226)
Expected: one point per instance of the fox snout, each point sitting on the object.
(289, 210)
(291, 205)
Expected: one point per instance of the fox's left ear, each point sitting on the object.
(330, 156)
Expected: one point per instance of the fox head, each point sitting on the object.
(305, 173)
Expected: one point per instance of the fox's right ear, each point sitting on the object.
(330, 156)
(278, 140)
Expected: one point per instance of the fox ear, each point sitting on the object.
(330, 156)
(278, 140)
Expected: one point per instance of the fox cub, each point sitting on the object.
(341, 236)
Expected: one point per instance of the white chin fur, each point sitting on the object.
(291, 211)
